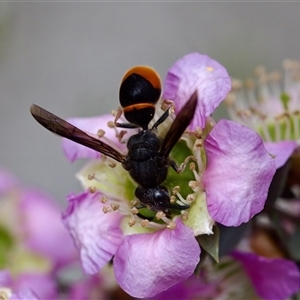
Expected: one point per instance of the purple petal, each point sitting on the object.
(147, 264)
(272, 278)
(281, 150)
(44, 229)
(91, 125)
(238, 173)
(197, 72)
(192, 288)
(19, 292)
(96, 234)
(5, 278)
(24, 294)
(42, 285)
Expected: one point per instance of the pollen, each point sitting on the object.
(210, 69)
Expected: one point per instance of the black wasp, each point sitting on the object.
(147, 159)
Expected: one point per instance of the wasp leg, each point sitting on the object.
(162, 118)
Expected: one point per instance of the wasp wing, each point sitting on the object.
(69, 131)
(179, 125)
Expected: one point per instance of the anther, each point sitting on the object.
(171, 225)
(145, 223)
(114, 206)
(134, 210)
(190, 198)
(160, 215)
(112, 164)
(103, 199)
(131, 222)
(111, 124)
(92, 189)
(192, 166)
(134, 202)
(199, 143)
(194, 185)
(91, 176)
(106, 209)
(172, 199)
(176, 189)
(184, 215)
(103, 157)
(100, 133)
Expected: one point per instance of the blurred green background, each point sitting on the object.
(69, 58)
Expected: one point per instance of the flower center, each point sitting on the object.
(269, 104)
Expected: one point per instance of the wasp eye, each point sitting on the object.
(161, 196)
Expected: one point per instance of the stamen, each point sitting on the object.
(112, 164)
(111, 124)
(175, 189)
(106, 209)
(184, 215)
(173, 199)
(100, 133)
(103, 157)
(131, 222)
(91, 176)
(194, 185)
(134, 202)
(296, 120)
(183, 165)
(266, 131)
(92, 189)
(103, 199)
(162, 216)
(171, 225)
(114, 206)
(190, 198)
(181, 200)
(192, 166)
(134, 210)
(288, 129)
(145, 223)
(277, 129)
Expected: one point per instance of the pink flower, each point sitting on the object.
(228, 183)
(273, 278)
(31, 232)
(9, 291)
